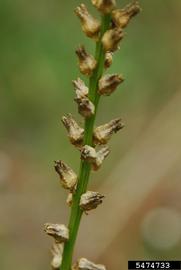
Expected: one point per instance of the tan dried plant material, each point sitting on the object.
(96, 159)
(108, 59)
(101, 155)
(75, 132)
(80, 88)
(85, 107)
(90, 25)
(112, 38)
(68, 177)
(103, 133)
(58, 231)
(121, 17)
(84, 264)
(105, 6)
(90, 200)
(69, 199)
(57, 252)
(109, 83)
(87, 63)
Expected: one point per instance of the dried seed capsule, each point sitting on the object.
(103, 133)
(87, 63)
(69, 199)
(81, 89)
(84, 264)
(101, 155)
(121, 17)
(90, 25)
(96, 159)
(111, 39)
(58, 231)
(67, 176)
(57, 251)
(90, 200)
(85, 107)
(105, 6)
(108, 84)
(88, 153)
(75, 132)
(108, 59)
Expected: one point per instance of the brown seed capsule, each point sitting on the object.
(90, 200)
(121, 17)
(88, 153)
(67, 176)
(108, 59)
(90, 25)
(69, 199)
(108, 84)
(101, 155)
(87, 63)
(96, 159)
(85, 107)
(58, 231)
(103, 133)
(111, 39)
(75, 132)
(105, 6)
(84, 264)
(80, 88)
(57, 251)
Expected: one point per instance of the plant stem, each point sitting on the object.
(76, 212)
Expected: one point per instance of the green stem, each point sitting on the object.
(76, 212)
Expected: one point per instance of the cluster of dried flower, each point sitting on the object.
(107, 84)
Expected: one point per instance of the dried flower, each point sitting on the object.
(58, 231)
(85, 107)
(105, 6)
(111, 39)
(90, 25)
(81, 89)
(87, 63)
(108, 59)
(75, 132)
(96, 159)
(67, 176)
(88, 153)
(121, 17)
(101, 155)
(57, 251)
(108, 84)
(69, 199)
(84, 264)
(90, 200)
(103, 133)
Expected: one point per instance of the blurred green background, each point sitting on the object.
(141, 217)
